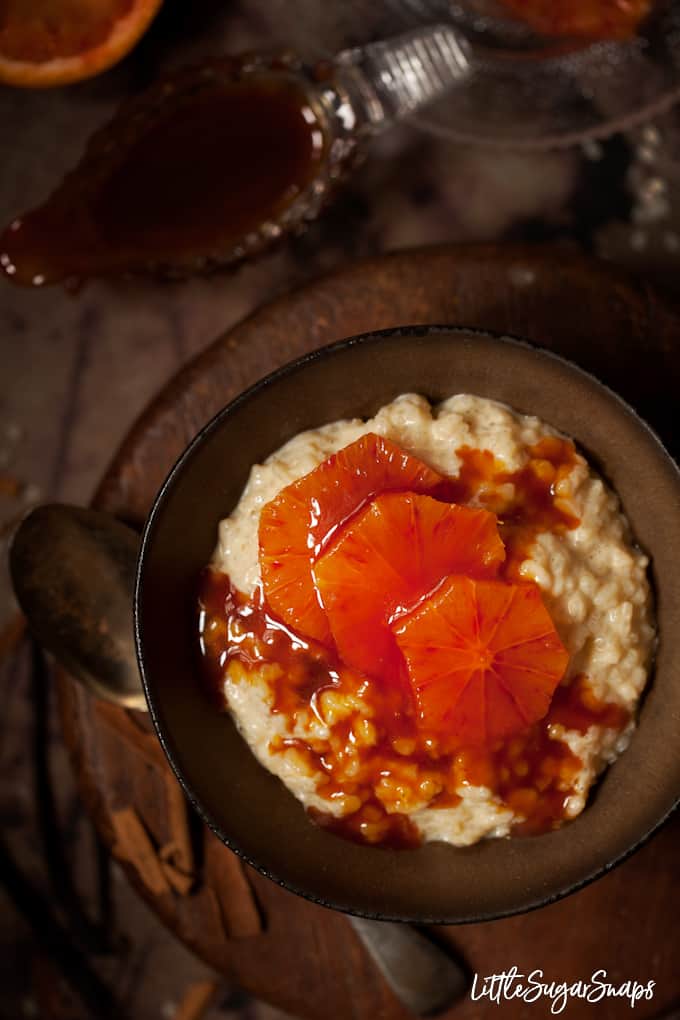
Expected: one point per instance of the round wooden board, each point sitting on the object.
(308, 960)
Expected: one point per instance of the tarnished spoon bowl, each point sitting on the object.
(73, 571)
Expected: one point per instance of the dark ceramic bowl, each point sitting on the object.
(250, 809)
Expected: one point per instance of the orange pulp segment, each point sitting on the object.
(299, 522)
(392, 554)
(54, 42)
(483, 659)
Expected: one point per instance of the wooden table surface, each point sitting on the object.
(307, 959)
(78, 369)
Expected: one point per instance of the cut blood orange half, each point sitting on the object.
(483, 658)
(587, 19)
(296, 525)
(54, 42)
(392, 554)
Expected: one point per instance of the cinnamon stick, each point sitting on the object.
(235, 897)
(134, 845)
(176, 860)
(11, 634)
(174, 865)
(211, 912)
(181, 882)
(182, 855)
(146, 744)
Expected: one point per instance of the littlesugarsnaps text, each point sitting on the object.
(535, 987)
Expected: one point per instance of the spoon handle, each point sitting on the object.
(422, 976)
(393, 78)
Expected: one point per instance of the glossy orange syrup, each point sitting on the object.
(535, 505)
(172, 182)
(376, 759)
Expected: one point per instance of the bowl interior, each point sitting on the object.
(250, 809)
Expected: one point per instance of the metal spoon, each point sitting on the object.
(73, 573)
(423, 977)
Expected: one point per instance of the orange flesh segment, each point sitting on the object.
(483, 659)
(297, 524)
(40, 30)
(392, 554)
(55, 42)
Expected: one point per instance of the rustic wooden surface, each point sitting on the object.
(77, 370)
(307, 960)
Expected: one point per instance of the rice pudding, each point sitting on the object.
(335, 623)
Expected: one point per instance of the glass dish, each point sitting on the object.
(526, 91)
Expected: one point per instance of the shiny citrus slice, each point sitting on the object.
(297, 524)
(585, 19)
(392, 554)
(483, 658)
(54, 42)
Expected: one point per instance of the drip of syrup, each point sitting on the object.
(180, 180)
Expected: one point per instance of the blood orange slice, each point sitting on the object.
(54, 42)
(394, 552)
(483, 658)
(296, 525)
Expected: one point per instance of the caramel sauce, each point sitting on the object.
(399, 833)
(532, 505)
(174, 181)
(576, 708)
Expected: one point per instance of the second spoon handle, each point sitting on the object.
(422, 976)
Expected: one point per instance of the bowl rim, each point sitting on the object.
(214, 423)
